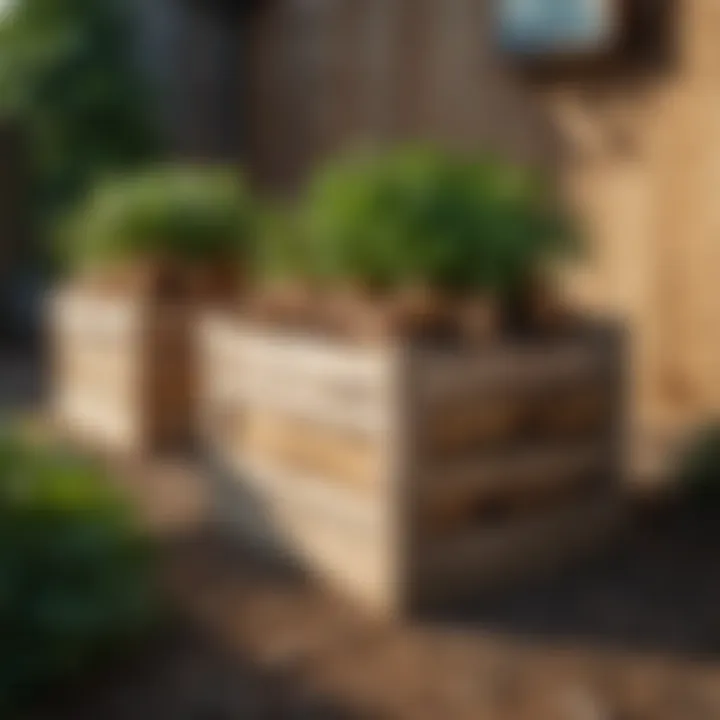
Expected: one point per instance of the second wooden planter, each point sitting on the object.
(123, 370)
(412, 475)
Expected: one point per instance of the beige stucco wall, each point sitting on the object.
(637, 154)
(651, 202)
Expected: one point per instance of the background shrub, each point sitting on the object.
(69, 78)
(423, 216)
(179, 212)
(74, 570)
(280, 250)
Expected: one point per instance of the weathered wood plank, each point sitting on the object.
(306, 380)
(298, 353)
(447, 374)
(344, 458)
(489, 557)
(102, 318)
(87, 416)
(519, 471)
(337, 444)
(313, 493)
(122, 369)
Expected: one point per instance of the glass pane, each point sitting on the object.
(557, 26)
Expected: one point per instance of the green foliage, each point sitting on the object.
(423, 216)
(179, 212)
(280, 248)
(700, 468)
(67, 75)
(74, 570)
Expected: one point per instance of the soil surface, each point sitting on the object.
(631, 635)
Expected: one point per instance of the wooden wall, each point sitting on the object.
(193, 58)
(638, 153)
(333, 73)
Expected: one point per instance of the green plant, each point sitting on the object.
(179, 212)
(74, 570)
(280, 249)
(423, 216)
(69, 78)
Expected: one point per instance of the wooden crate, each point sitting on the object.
(410, 476)
(123, 370)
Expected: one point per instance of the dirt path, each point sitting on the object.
(634, 635)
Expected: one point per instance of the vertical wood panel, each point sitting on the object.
(270, 104)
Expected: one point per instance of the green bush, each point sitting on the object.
(69, 78)
(281, 250)
(188, 213)
(422, 216)
(74, 570)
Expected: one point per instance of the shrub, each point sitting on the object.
(74, 570)
(421, 216)
(69, 77)
(281, 250)
(188, 213)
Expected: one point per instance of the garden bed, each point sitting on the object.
(146, 251)
(122, 369)
(410, 472)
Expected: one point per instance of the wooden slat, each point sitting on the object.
(96, 375)
(490, 557)
(348, 459)
(315, 357)
(515, 470)
(470, 424)
(360, 567)
(309, 379)
(74, 312)
(321, 544)
(123, 368)
(89, 417)
(313, 392)
(314, 493)
(446, 374)
(294, 352)
(330, 533)
(314, 403)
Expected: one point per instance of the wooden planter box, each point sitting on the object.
(412, 476)
(122, 370)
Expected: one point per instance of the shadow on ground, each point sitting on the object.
(657, 589)
(254, 639)
(186, 675)
(654, 589)
(257, 640)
